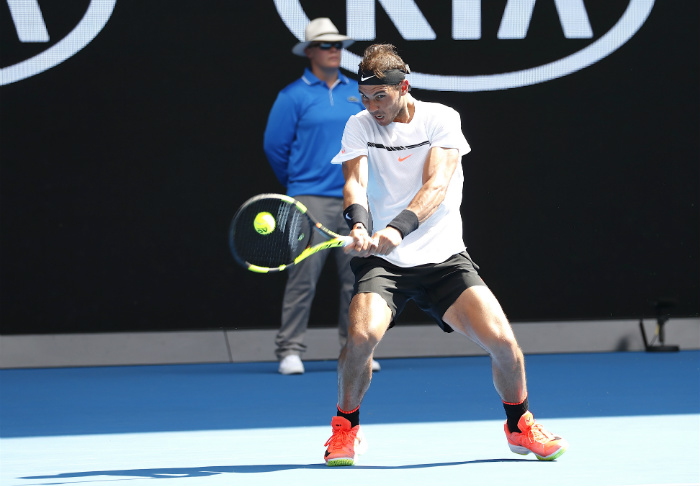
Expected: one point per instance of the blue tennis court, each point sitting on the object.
(631, 419)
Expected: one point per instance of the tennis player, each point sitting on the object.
(403, 157)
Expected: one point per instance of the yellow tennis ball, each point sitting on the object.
(264, 223)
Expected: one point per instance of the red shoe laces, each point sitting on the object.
(537, 433)
(340, 438)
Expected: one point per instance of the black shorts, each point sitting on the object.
(433, 287)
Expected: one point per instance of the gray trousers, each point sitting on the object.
(302, 278)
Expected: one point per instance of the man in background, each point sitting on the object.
(303, 134)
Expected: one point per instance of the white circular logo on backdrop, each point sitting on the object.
(630, 22)
(30, 28)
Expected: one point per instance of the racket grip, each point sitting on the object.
(348, 239)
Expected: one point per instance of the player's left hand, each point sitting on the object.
(385, 241)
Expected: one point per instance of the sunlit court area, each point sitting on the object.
(428, 419)
(233, 233)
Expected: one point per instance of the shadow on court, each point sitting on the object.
(196, 472)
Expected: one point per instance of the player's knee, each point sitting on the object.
(360, 339)
(502, 344)
(507, 351)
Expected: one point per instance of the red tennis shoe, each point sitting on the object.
(534, 438)
(344, 444)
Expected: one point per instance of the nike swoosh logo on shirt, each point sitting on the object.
(362, 78)
(401, 159)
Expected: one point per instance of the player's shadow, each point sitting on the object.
(198, 472)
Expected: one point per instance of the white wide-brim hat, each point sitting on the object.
(320, 30)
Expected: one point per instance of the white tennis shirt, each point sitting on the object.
(396, 155)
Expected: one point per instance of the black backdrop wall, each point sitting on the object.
(122, 165)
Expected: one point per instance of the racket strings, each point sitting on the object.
(281, 246)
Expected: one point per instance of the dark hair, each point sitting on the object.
(379, 58)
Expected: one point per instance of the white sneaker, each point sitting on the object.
(291, 365)
(375, 365)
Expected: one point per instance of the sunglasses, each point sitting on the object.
(324, 46)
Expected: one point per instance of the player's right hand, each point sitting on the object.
(362, 244)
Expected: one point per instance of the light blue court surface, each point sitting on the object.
(631, 419)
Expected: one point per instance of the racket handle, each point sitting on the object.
(349, 239)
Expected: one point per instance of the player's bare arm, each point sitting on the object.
(437, 173)
(355, 172)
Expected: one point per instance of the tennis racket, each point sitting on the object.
(272, 232)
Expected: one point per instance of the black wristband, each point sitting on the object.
(405, 223)
(356, 213)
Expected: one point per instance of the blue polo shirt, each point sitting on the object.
(303, 134)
